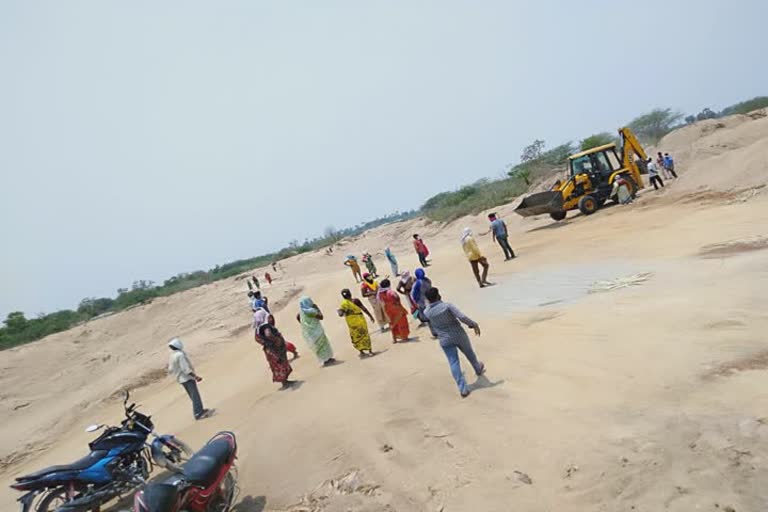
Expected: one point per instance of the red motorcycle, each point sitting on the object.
(207, 482)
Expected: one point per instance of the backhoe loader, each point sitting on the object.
(589, 183)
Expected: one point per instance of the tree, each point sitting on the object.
(745, 107)
(690, 119)
(706, 113)
(331, 234)
(16, 322)
(525, 175)
(532, 151)
(651, 127)
(598, 139)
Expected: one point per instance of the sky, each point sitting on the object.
(143, 139)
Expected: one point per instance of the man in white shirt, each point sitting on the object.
(653, 173)
(180, 368)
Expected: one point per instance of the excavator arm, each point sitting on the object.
(631, 151)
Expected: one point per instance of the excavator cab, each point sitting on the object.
(589, 185)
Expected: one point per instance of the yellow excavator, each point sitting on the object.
(591, 175)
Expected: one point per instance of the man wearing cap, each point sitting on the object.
(181, 369)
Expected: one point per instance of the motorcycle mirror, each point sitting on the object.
(127, 396)
(93, 428)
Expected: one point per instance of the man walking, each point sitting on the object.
(475, 257)
(444, 321)
(181, 369)
(500, 235)
(669, 164)
(653, 173)
(421, 250)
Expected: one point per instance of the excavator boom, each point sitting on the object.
(631, 151)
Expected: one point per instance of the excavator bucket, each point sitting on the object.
(541, 203)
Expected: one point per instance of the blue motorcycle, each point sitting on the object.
(120, 461)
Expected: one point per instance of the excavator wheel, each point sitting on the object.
(558, 215)
(588, 205)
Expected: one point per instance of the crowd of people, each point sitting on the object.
(389, 308)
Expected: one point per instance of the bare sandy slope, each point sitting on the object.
(647, 397)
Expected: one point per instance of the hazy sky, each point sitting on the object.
(142, 139)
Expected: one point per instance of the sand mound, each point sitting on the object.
(722, 154)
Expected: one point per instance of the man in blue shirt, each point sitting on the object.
(444, 321)
(259, 302)
(500, 235)
(669, 164)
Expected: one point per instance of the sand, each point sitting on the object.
(625, 351)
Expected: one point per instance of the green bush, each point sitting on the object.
(473, 199)
(745, 107)
(598, 139)
(651, 127)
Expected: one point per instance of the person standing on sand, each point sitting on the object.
(444, 320)
(621, 190)
(369, 264)
(392, 261)
(268, 278)
(259, 302)
(669, 164)
(258, 320)
(352, 310)
(351, 262)
(421, 250)
(653, 173)
(404, 287)
(397, 314)
(275, 347)
(418, 294)
(309, 317)
(501, 235)
(180, 368)
(370, 290)
(475, 257)
(660, 166)
(256, 282)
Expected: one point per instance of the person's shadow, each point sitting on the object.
(483, 382)
(294, 386)
(251, 504)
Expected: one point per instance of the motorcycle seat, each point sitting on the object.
(161, 496)
(86, 462)
(204, 466)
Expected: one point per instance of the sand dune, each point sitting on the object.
(646, 396)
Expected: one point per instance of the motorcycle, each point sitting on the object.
(120, 461)
(207, 482)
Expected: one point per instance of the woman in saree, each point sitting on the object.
(392, 261)
(257, 320)
(309, 317)
(370, 289)
(352, 310)
(352, 263)
(404, 287)
(418, 294)
(397, 314)
(369, 264)
(274, 346)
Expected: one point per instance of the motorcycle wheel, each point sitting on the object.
(176, 458)
(227, 494)
(52, 500)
